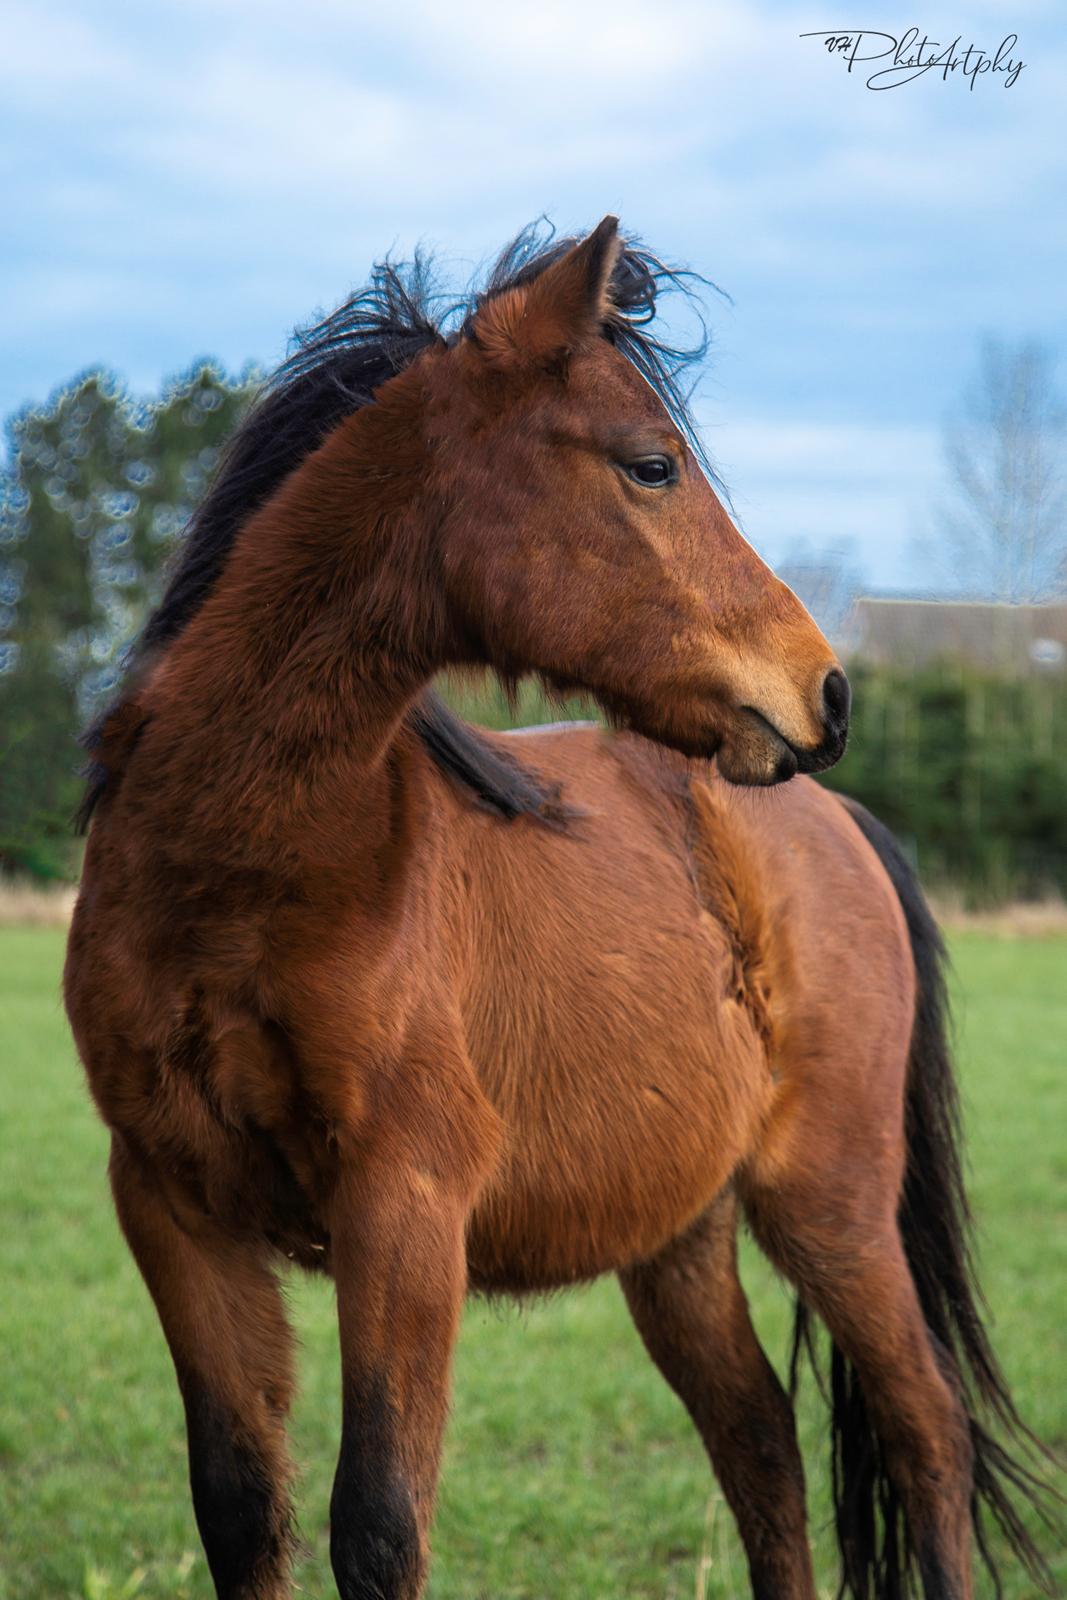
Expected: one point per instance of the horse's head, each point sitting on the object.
(582, 541)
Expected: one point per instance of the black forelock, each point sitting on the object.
(333, 368)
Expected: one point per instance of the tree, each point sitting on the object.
(99, 491)
(1003, 526)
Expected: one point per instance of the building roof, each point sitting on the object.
(1015, 639)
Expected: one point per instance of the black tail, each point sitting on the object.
(935, 1224)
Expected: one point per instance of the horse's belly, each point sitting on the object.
(628, 1103)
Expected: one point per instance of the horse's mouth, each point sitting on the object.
(749, 750)
(760, 756)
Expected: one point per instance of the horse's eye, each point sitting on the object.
(652, 472)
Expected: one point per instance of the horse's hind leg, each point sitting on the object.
(224, 1321)
(691, 1311)
(837, 1238)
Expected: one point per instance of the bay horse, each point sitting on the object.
(361, 987)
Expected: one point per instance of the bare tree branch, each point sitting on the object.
(1003, 527)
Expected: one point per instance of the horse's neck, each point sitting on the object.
(281, 703)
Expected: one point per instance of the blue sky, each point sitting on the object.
(194, 178)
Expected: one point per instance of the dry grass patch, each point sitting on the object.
(26, 905)
(1021, 919)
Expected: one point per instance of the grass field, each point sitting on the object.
(570, 1471)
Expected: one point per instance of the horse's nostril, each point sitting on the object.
(837, 698)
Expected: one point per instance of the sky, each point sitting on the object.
(196, 178)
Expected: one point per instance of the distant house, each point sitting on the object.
(1015, 640)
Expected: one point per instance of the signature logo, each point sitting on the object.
(915, 53)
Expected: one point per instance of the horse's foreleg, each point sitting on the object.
(223, 1319)
(691, 1311)
(398, 1259)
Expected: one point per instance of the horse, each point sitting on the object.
(361, 987)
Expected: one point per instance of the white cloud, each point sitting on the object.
(199, 175)
(424, 107)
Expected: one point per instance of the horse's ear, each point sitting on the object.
(540, 322)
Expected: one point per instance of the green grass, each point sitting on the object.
(570, 1470)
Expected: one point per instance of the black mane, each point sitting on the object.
(333, 368)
